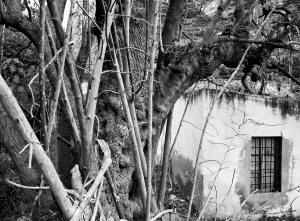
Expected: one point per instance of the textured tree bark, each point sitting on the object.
(173, 20)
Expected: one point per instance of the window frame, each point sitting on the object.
(266, 179)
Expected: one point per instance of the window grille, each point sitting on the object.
(266, 164)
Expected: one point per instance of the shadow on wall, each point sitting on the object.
(181, 170)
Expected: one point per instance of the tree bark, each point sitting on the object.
(173, 20)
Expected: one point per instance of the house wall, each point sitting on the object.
(234, 121)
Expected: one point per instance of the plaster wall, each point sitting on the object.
(234, 121)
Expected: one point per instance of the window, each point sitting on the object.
(266, 164)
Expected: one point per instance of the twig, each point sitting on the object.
(179, 214)
(38, 196)
(28, 9)
(252, 41)
(181, 121)
(213, 184)
(30, 153)
(135, 18)
(63, 140)
(28, 187)
(54, 102)
(129, 121)
(198, 128)
(113, 192)
(208, 116)
(128, 80)
(97, 202)
(75, 86)
(87, 14)
(271, 200)
(285, 73)
(288, 211)
(244, 202)
(32, 94)
(42, 73)
(55, 56)
(133, 48)
(165, 164)
(22, 49)
(160, 214)
(106, 162)
(226, 193)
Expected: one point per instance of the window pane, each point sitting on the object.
(266, 163)
(268, 142)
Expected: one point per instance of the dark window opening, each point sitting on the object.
(266, 164)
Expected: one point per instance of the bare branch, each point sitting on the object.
(28, 187)
(150, 110)
(106, 162)
(268, 43)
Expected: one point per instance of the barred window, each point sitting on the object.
(266, 164)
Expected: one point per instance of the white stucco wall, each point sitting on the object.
(262, 117)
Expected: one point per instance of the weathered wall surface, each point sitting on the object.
(234, 121)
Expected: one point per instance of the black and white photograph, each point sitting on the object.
(149, 110)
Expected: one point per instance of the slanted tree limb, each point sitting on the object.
(160, 214)
(165, 164)
(64, 97)
(42, 74)
(54, 102)
(124, 100)
(79, 190)
(97, 204)
(76, 88)
(125, 59)
(274, 44)
(10, 104)
(285, 73)
(28, 187)
(113, 192)
(181, 121)
(128, 82)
